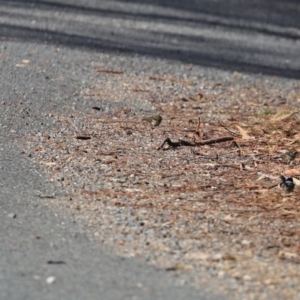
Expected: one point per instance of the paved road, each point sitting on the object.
(258, 36)
(45, 53)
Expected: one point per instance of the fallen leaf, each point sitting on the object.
(253, 186)
(293, 142)
(243, 133)
(292, 172)
(281, 117)
(296, 181)
(284, 254)
(261, 177)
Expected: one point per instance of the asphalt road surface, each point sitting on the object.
(44, 253)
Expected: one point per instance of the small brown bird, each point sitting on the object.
(289, 156)
(154, 121)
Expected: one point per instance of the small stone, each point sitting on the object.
(228, 218)
(197, 256)
(150, 232)
(12, 215)
(50, 279)
(221, 274)
(247, 277)
(104, 167)
(245, 242)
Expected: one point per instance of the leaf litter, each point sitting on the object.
(197, 195)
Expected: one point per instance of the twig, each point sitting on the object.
(109, 71)
(226, 128)
(195, 144)
(215, 141)
(197, 131)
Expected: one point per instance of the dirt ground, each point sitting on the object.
(207, 202)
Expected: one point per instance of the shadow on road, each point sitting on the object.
(250, 36)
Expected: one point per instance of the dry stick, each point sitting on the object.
(226, 128)
(197, 131)
(195, 144)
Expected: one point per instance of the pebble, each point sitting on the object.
(12, 215)
(50, 279)
(150, 232)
